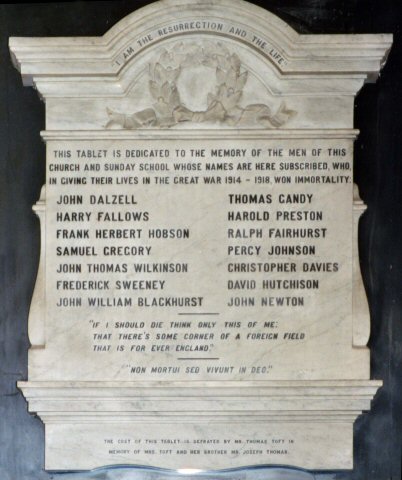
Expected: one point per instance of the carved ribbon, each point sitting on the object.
(257, 114)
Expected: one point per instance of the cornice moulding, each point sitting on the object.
(98, 57)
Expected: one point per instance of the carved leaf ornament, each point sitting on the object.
(223, 104)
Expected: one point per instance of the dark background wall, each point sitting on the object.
(378, 171)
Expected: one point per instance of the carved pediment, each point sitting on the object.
(200, 83)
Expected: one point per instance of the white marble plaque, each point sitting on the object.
(199, 302)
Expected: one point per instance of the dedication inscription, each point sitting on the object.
(218, 260)
(199, 302)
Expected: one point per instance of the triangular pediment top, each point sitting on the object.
(106, 58)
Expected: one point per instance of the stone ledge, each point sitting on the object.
(315, 401)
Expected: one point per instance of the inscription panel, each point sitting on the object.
(198, 449)
(199, 260)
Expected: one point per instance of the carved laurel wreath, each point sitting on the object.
(223, 104)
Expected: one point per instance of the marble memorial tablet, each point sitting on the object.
(199, 302)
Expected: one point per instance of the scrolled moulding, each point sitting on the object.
(361, 313)
(37, 312)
